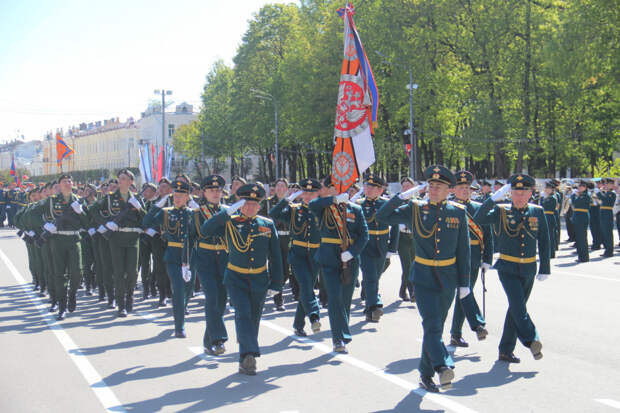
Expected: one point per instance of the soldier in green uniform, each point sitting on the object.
(549, 202)
(305, 241)
(211, 259)
(481, 250)
(382, 238)
(69, 216)
(406, 250)
(175, 224)
(520, 229)
(344, 234)
(607, 196)
(252, 242)
(34, 261)
(87, 244)
(158, 244)
(149, 191)
(125, 212)
(580, 202)
(595, 215)
(441, 264)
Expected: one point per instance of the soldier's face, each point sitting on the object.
(213, 195)
(406, 185)
(548, 190)
(124, 181)
(250, 208)
(148, 193)
(520, 197)
(164, 188)
(438, 191)
(180, 199)
(66, 185)
(372, 191)
(308, 196)
(462, 191)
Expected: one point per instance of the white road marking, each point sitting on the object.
(609, 402)
(400, 382)
(94, 380)
(592, 277)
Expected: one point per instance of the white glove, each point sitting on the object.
(542, 277)
(271, 293)
(193, 204)
(111, 225)
(162, 202)
(186, 273)
(294, 196)
(135, 203)
(464, 292)
(486, 266)
(597, 190)
(501, 193)
(234, 207)
(346, 256)
(411, 192)
(342, 198)
(575, 192)
(390, 254)
(30, 233)
(49, 227)
(357, 195)
(77, 207)
(402, 227)
(101, 229)
(91, 231)
(150, 232)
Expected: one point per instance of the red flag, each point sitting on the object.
(62, 150)
(160, 163)
(358, 100)
(153, 165)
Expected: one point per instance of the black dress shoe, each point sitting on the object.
(180, 334)
(163, 302)
(122, 313)
(186, 311)
(129, 303)
(535, 348)
(446, 374)
(428, 384)
(481, 333)
(89, 292)
(101, 298)
(510, 358)
(42, 294)
(72, 303)
(111, 304)
(299, 332)
(402, 293)
(53, 308)
(458, 342)
(60, 316)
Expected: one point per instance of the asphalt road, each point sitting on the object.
(93, 361)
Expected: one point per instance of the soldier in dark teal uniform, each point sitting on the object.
(175, 224)
(382, 238)
(87, 247)
(520, 229)
(145, 250)
(441, 265)
(69, 216)
(406, 251)
(580, 202)
(595, 215)
(305, 242)
(252, 242)
(211, 259)
(608, 199)
(158, 244)
(344, 234)
(549, 202)
(481, 250)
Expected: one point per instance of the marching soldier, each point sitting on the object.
(87, 244)
(608, 198)
(344, 234)
(305, 242)
(382, 239)
(481, 254)
(175, 224)
(34, 260)
(581, 201)
(211, 258)
(68, 217)
(125, 213)
(406, 251)
(2, 204)
(252, 242)
(158, 244)
(595, 215)
(549, 202)
(520, 228)
(442, 263)
(149, 191)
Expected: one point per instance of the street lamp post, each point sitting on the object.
(410, 131)
(163, 94)
(266, 96)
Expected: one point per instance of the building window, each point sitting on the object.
(170, 130)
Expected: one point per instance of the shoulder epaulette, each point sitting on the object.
(296, 205)
(235, 216)
(456, 204)
(167, 208)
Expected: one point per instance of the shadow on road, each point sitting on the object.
(499, 375)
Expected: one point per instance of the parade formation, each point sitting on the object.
(99, 238)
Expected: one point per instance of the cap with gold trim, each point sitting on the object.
(252, 192)
(439, 173)
(213, 182)
(521, 181)
(181, 186)
(464, 177)
(374, 180)
(310, 185)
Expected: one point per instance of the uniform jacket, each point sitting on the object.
(175, 224)
(304, 226)
(381, 237)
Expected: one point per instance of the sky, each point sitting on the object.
(64, 62)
